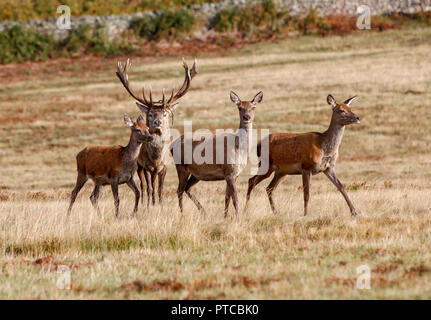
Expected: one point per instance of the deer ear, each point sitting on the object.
(140, 119)
(128, 121)
(258, 98)
(143, 108)
(235, 99)
(349, 101)
(331, 101)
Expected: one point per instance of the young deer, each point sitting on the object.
(308, 154)
(218, 169)
(150, 160)
(111, 165)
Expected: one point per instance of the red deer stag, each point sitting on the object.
(220, 166)
(307, 154)
(150, 161)
(111, 165)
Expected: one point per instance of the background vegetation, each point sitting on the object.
(41, 9)
(254, 23)
(167, 25)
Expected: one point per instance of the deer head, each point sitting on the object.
(140, 131)
(342, 113)
(246, 108)
(157, 112)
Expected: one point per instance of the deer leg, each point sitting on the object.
(132, 185)
(147, 175)
(271, 188)
(153, 184)
(162, 175)
(227, 201)
(254, 181)
(190, 183)
(231, 186)
(141, 176)
(330, 173)
(182, 182)
(94, 198)
(306, 175)
(114, 188)
(80, 181)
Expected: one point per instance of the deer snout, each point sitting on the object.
(246, 117)
(145, 138)
(157, 123)
(358, 119)
(149, 138)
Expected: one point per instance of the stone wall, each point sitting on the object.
(117, 23)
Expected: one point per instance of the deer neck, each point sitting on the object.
(332, 138)
(246, 130)
(132, 149)
(161, 136)
(154, 149)
(159, 141)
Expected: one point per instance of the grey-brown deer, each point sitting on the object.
(111, 165)
(226, 166)
(307, 154)
(151, 162)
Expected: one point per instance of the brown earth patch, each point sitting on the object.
(49, 264)
(384, 268)
(415, 271)
(175, 285)
(139, 286)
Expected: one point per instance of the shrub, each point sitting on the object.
(168, 24)
(312, 22)
(20, 44)
(338, 24)
(264, 15)
(225, 20)
(87, 39)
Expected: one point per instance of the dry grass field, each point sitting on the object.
(50, 111)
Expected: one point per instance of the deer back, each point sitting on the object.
(97, 161)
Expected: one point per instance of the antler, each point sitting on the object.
(163, 103)
(189, 75)
(124, 78)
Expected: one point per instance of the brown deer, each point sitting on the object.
(217, 168)
(307, 154)
(111, 165)
(150, 161)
